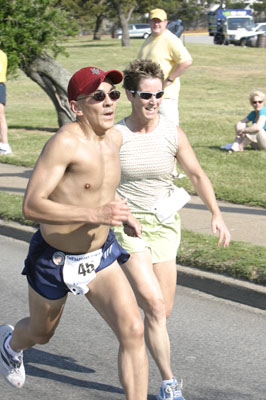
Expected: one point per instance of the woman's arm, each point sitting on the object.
(188, 161)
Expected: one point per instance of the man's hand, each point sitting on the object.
(132, 227)
(114, 213)
(166, 83)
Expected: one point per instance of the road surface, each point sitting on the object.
(218, 347)
(202, 38)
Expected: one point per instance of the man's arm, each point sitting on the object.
(177, 72)
(188, 161)
(180, 69)
(48, 173)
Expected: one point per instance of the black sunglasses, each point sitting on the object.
(148, 95)
(101, 95)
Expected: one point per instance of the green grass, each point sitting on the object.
(239, 260)
(214, 96)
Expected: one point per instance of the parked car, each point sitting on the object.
(136, 31)
(261, 29)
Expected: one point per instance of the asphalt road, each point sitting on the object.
(218, 347)
(202, 38)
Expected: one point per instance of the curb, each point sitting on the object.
(221, 286)
(16, 231)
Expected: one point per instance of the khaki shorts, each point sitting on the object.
(162, 239)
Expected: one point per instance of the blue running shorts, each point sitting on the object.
(2, 93)
(44, 265)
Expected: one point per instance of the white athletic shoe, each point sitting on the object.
(5, 149)
(11, 369)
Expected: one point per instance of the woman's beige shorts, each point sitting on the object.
(162, 239)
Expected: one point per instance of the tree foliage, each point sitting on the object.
(234, 4)
(29, 31)
(259, 7)
(87, 13)
(29, 27)
(188, 11)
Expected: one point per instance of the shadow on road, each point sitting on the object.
(35, 356)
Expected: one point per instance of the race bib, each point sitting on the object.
(80, 269)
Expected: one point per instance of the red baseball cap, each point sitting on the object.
(87, 80)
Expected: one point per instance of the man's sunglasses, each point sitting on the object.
(101, 95)
(148, 95)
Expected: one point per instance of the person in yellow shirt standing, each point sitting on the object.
(168, 51)
(4, 146)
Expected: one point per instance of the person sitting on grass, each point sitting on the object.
(254, 133)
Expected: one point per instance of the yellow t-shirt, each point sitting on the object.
(168, 51)
(3, 66)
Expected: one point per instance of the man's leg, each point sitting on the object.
(3, 125)
(36, 329)
(112, 296)
(4, 146)
(143, 279)
(40, 326)
(169, 108)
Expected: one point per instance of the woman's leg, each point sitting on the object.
(142, 277)
(261, 139)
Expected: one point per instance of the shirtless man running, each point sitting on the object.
(72, 194)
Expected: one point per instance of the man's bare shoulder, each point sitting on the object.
(69, 130)
(62, 142)
(67, 133)
(115, 136)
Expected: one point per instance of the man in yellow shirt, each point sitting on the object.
(166, 49)
(4, 146)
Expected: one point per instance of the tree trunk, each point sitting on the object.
(124, 22)
(53, 79)
(98, 25)
(125, 33)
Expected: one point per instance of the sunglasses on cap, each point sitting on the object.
(100, 95)
(148, 95)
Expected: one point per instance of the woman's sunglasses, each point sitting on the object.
(148, 95)
(257, 102)
(101, 95)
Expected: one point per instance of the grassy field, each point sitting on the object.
(214, 96)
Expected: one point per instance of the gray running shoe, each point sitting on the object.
(11, 369)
